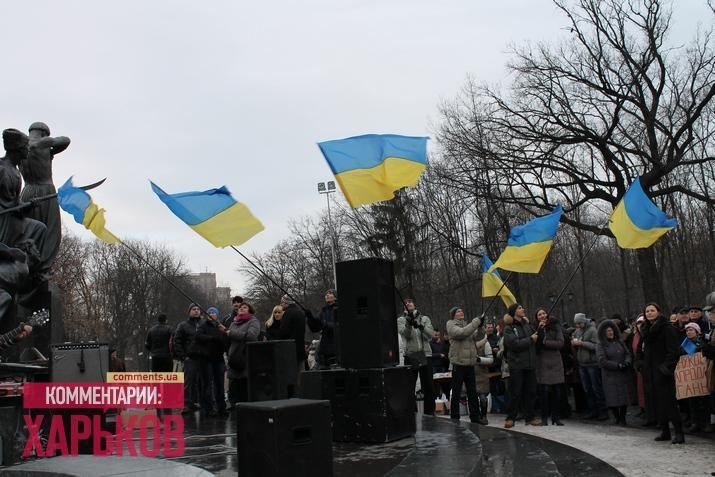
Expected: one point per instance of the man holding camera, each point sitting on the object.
(416, 331)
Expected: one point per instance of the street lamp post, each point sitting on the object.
(328, 189)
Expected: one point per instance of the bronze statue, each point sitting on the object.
(16, 230)
(36, 171)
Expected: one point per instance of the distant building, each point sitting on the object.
(211, 294)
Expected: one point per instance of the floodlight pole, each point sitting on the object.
(330, 189)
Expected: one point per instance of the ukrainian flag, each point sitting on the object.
(79, 204)
(637, 222)
(493, 284)
(372, 167)
(214, 214)
(529, 244)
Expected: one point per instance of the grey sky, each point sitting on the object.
(195, 95)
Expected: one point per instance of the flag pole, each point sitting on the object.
(162, 275)
(267, 276)
(494, 298)
(580, 263)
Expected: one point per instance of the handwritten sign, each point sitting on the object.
(690, 378)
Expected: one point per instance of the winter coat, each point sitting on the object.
(440, 355)
(212, 340)
(709, 353)
(239, 335)
(549, 365)
(586, 353)
(615, 362)
(518, 346)
(635, 345)
(484, 361)
(157, 341)
(462, 337)
(416, 338)
(291, 326)
(327, 326)
(661, 350)
(184, 346)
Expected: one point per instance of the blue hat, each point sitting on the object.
(212, 309)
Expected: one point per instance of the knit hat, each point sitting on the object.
(580, 318)
(453, 311)
(212, 309)
(694, 326)
(695, 307)
(512, 309)
(193, 305)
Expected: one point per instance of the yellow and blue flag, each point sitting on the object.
(492, 284)
(372, 167)
(79, 204)
(214, 214)
(529, 244)
(637, 222)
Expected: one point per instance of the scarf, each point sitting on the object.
(242, 318)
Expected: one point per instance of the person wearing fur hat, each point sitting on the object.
(416, 330)
(615, 362)
(695, 315)
(463, 356)
(186, 351)
(697, 406)
(585, 341)
(549, 366)
(519, 345)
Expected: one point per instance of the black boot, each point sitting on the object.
(679, 438)
(664, 434)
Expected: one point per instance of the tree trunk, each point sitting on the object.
(651, 281)
(624, 272)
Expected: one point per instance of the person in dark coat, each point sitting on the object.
(290, 325)
(661, 349)
(211, 335)
(186, 351)
(519, 345)
(615, 363)
(549, 366)
(157, 345)
(328, 320)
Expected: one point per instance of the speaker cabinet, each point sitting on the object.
(289, 437)
(79, 362)
(367, 326)
(272, 370)
(368, 405)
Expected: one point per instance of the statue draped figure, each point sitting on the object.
(36, 171)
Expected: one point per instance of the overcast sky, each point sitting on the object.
(195, 95)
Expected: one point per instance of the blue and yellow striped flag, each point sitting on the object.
(637, 222)
(214, 214)
(372, 167)
(529, 244)
(493, 284)
(79, 204)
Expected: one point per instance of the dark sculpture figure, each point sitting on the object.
(36, 171)
(16, 230)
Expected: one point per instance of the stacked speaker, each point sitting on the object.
(370, 397)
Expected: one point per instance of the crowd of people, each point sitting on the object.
(211, 351)
(542, 370)
(538, 369)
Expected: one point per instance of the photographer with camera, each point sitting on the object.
(416, 331)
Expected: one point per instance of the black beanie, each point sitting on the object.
(453, 311)
(512, 309)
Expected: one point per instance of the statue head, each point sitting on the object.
(14, 140)
(43, 128)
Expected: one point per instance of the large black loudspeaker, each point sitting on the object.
(288, 437)
(368, 405)
(79, 362)
(272, 370)
(367, 326)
